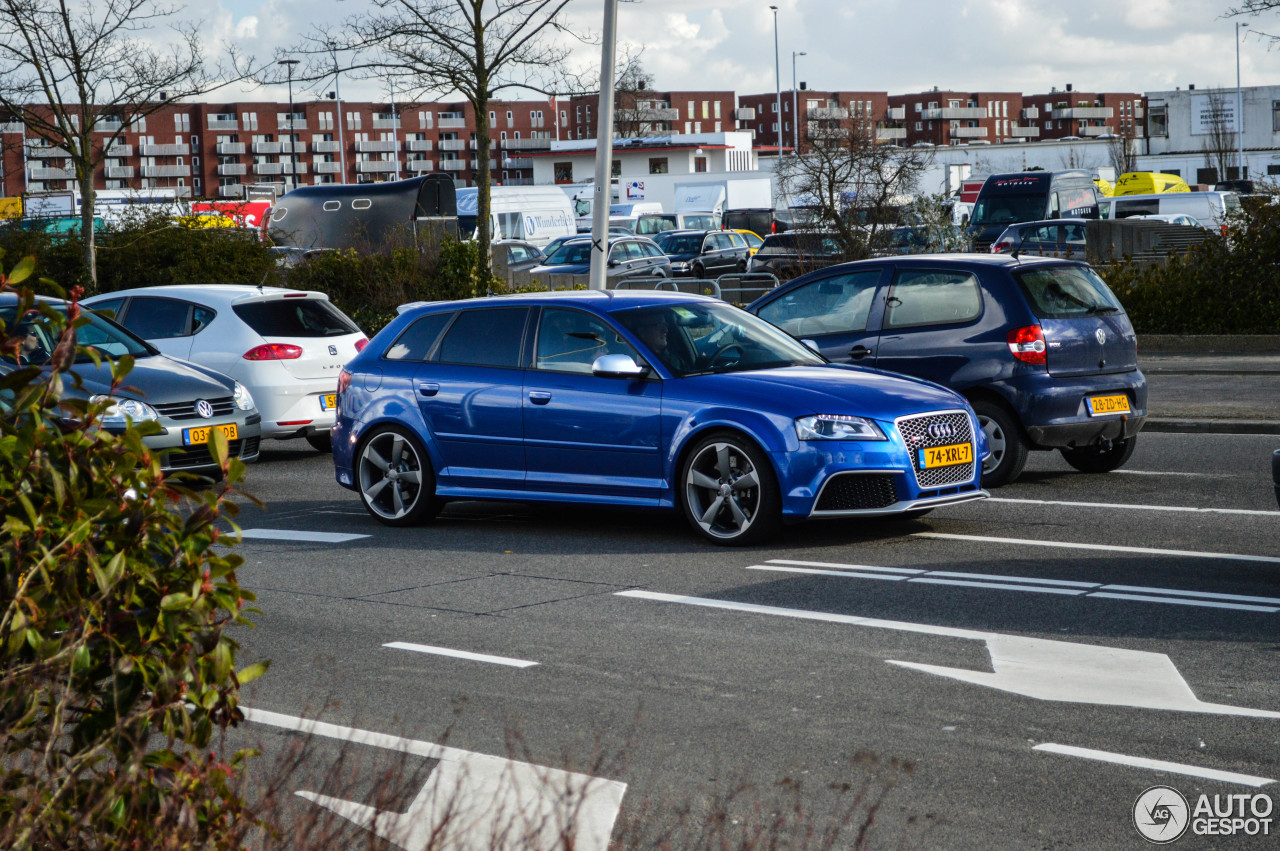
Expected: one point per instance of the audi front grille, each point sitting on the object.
(943, 428)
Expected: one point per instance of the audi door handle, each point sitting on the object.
(539, 397)
(859, 352)
(428, 389)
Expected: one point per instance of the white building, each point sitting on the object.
(1183, 124)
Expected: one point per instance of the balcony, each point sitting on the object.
(1030, 112)
(230, 169)
(106, 125)
(475, 164)
(954, 113)
(43, 151)
(420, 165)
(386, 123)
(518, 162)
(654, 114)
(181, 191)
(453, 144)
(896, 113)
(235, 190)
(323, 147)
(118, 150)
(228, 149)
(1137, 112)
(418, 145)
(118, 171)
(328, 168)
(526, 144)
(164, 150)
(1085, 112)
(268, 168)
(12, 127)
(378, 146)
(827, 113)
(453, 165)
(891, 134)
(375, 166)
(282, 121)
(745, 113)
(968, 132)
(166, 171)
(518, 181)
(37, 173)
(1105, 130)
(1025, 132)
(293, 168)
(452, 123)
(224, 122)
(267, 147)
(287, 147)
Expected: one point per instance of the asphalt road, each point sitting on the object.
(1135, 614)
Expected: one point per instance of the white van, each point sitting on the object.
(536, 214)
(1210, 209)
(626, 214)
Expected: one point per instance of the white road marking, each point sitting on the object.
(1137, 507)
(1032, 667)
(292, 535)
(460, 654)
(1000, 582)
(1165, 473)
(472, 801)
(1155, 764)
(1110, 548)
(845, 566)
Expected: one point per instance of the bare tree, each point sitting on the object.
(852, 185)
(1122, 151)
(1219, 144)
(476, 48)
(78, 73)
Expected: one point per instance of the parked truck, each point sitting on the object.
(365, 215)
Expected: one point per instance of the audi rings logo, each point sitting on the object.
(942, 431)
(1161, 814)
(204, 409)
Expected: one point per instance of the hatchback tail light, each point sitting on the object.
(344, 381)
(1027, 344)
(274, 351)
(361, 343)
(1000, 246)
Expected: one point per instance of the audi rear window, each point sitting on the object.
(1066, 292)
(295, 317)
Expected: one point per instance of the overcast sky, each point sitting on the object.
(898, 46)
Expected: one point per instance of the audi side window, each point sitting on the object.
(928, 297)
(485, 337)
(415, 342)
(571, 340)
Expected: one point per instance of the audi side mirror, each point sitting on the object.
(618, 366)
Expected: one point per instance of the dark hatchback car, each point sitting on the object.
(1052, 238)
(1041, 348)
(629, 257)
(703, 253)
(786, 255)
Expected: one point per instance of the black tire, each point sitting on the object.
(1093, 459)
(320, 442)
(395, 479)
(741, 268)
(698, 271)
(728, 491)
(1008, 445)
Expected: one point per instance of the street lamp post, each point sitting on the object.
(395, 134)
(795, 103)
(337, 96)
(1239, 104)
(293, 174)
(777, 77)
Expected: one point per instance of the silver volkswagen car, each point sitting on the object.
(188, 401)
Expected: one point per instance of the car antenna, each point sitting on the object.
(1014, 253)
(263, 281)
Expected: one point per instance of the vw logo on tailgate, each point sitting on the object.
(941, 431)
(1102, 337)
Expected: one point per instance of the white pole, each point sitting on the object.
(795, 103)
(342, 144)
(604, 153)
(395, 134)
(1239, 107)
(777, 76)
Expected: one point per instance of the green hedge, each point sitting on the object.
(1227, 285)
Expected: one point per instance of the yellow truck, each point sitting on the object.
(1149, 183)
(10, 208)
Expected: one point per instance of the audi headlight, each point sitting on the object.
(837, 427)
(121, 411)
(244, 400)
(680, 265)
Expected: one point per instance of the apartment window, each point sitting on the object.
(615, 169)
(140, 124)
(657, 165)
(700, 164)
(182, 122)
(919, 125)
(697, 127)
(691, 109)
(919, 107)
(717, 127)
(563, 172)
(251, 121)
(1206, 175)
(493, 118)
(688, 128)
(717, 109)
(510, 118)
(579, 113)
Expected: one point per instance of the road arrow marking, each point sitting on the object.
(472, 801)
(1032, 667)
(1155, 764)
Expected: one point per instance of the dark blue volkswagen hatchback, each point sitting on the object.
(641, 399)
(1041, 348)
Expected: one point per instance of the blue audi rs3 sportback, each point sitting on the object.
(639, 398)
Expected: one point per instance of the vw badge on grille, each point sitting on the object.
(1102, 337)
(941, 431)
(333, 350)
(204, 409)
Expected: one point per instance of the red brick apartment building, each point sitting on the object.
(215, 150)
(819, 113)
(652, 114)
(939, 117)
(1085, 114)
